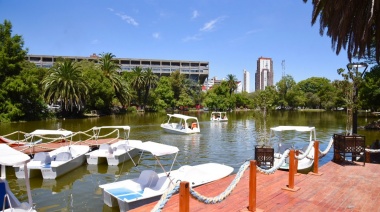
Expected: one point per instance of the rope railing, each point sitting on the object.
(174, 187)
(306, 153)
(372, 150)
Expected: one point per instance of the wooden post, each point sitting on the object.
(296, 164)
(184, 197)
(252, 186)
(291, 168)
(316, 159)
(291, 186)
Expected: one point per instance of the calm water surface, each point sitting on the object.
(229, 143)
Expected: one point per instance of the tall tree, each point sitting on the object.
(231, 81)
(351, 24)
(138, 83)
(65, 83)
(19, 82)
(150, 81)
(110, 71)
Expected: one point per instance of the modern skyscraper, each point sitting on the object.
(246, 81)
(264, 73)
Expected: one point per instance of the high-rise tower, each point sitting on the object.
(246, 81)
(264, 73)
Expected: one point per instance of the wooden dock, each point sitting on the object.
(47, 147)
(349, 187)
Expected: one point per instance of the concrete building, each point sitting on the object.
(264, 73)
(246, 81)
(209, 83)
(195, 70)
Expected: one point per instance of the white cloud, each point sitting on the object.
(95, 41)
(156, 35)
(125, 18)
(195, 14)
(211, 24)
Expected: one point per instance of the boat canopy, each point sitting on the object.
(181, 116)
(157, 149)
(51, 132)
(12, 157)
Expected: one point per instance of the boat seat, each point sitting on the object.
(106, 148)
(160, 187)
(147, 178)
(63, 156)
(43, 157)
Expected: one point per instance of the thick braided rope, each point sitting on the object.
(224, 194)
(372, 150)
(322, 154)
(21, 132)
(300, 157)
(278, 165)
(174, 187)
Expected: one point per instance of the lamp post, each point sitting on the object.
(356, 76)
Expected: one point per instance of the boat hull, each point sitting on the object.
(56, 168)
(113, 154)
(127, 197)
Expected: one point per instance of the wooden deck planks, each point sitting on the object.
(47, 147)
(339, 188)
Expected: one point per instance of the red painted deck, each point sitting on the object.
(47, 147)
(339, 188)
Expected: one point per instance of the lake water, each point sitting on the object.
(230, 143)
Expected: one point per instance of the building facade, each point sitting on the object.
(246, 81)
(195, 70)
(264, 73)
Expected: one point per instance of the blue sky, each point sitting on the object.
(230, 35)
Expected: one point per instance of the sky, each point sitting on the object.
(230, 34)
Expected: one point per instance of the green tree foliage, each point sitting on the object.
(19, 80)
(283, 87)
(111, 70)
(264, 99)
(150, 81)
(231, 82)
(65, 83)
(164, 95)
(370, 90)
(352, 25)
(319, 91)
(137, 83)
(100, 90)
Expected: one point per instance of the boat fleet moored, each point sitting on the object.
(55, 159)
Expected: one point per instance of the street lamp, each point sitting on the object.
(356, 77)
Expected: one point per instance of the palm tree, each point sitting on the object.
(137, 82)
(351, 24)
(231, 81)
(150, 81)
(65, 83)
(110, 71)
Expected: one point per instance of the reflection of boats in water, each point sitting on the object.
(219, 116)
(65, 182)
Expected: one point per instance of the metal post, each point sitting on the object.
(355, 77)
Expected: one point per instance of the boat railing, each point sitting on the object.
(6, 197)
